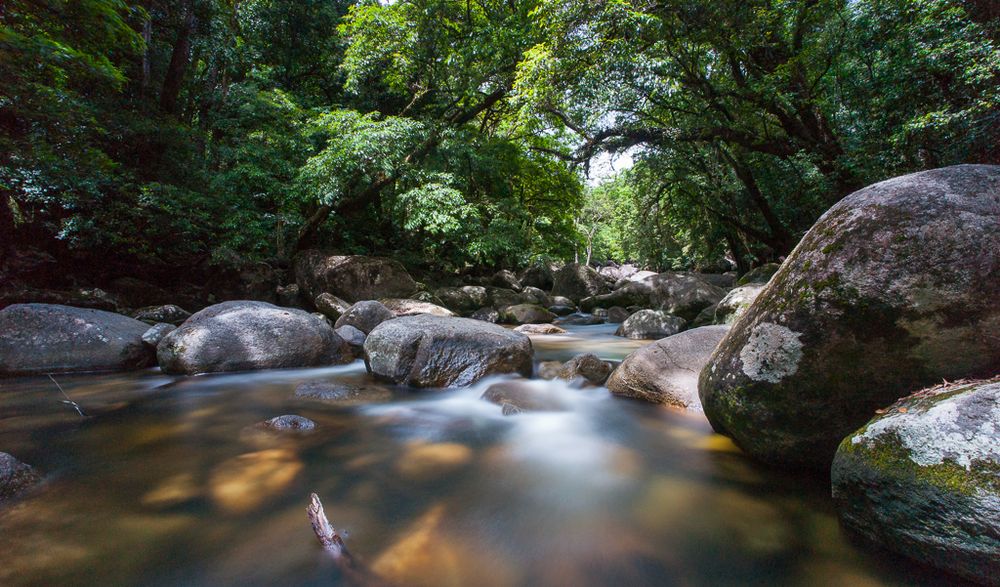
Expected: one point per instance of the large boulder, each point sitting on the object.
(631, 293)
(666, 371)
(526, 314)
(15, 477)
(351, 277)
(576, 281)
(736, 303)
(923, 479)
(506, 279)
(759, 275)
(331, 306)
(48, 338)
(246, 335)
(411, 307)
(683, 295)
(431, 351)
(896, 287)
(499, 297)
(533, 295)
(365, 316)
(650, 325)
(538, 275)
(455, 299)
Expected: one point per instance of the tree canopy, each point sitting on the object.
(457, 133)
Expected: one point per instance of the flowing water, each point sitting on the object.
(167, 482)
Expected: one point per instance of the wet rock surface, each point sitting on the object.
(15, 478)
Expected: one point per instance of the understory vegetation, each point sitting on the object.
(458, 134)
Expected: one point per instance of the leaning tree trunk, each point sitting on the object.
(178, 63)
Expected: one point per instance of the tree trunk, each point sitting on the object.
(174, 79)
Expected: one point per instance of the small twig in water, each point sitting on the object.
(68, 401)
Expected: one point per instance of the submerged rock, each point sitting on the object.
(423, 461)
(524, 396)
(923, 479)
(245, 483)
(344, 393)
(431, 351)
(666, 371)
(15, 477)
(289, 423)
(896, 287)
(365, 316)
(243, 335)
(48, 338)
(351, 277)
(650, 325)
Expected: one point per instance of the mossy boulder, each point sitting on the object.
(759, 275)
(923, 479)
(351, 277)
(895, 288)
(736, 303)
(682, 294)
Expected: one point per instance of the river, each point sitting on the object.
(167, 482)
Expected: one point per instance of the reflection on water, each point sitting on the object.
(170, 483)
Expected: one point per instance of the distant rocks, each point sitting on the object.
(351, 277)
(401, 307)
(331, 306)
(540, 329)
(736, 303)
(651, 325)
(244, 335)
(289, 423)
(526, 314)
(365, 316)
(169, 314)
(48, 338)
(431, 351)
(576, 282)
(156, 333)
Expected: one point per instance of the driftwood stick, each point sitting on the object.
(354, 571)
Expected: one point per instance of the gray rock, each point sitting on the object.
(488, 314)
(289, 296)
(426, 296)
(581, 320)
(412, 307)
(289, 423)
(501, 298)
(365, 316)
(563, 301)
(15, 477)
(344, 393)
(923, 479)
(431, 351)
(523, 396)
(617, 315)
(895, 288)
(479, 295)
(354, 338)
(666, 371)
(245, 335)
(455, 299)
(759, 275)
(736, 303)
(506, 279)
(156, 333)
(533, 295)
(539, 275)
(632, 293)
(331, 306)
(526, 314)
(705, 318)
(650, 325)
(168, 313)
(540, 329)
(576, 281)
(48, 338)
(723, 280)
(351, 277)
(562, 310)
(588, 367)
(683, 295)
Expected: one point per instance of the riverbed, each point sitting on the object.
(168, 482)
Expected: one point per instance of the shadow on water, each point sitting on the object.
(170, 483)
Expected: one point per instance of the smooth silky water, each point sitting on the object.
(167, 483)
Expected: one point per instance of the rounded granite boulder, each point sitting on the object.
(895, 288)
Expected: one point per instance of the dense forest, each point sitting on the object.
(457, 135)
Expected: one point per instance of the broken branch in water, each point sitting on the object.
(68, 401)
(355, 572)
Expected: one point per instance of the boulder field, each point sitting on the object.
(895, 288)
